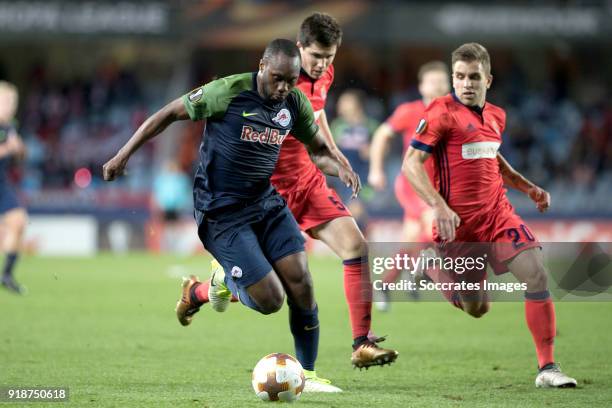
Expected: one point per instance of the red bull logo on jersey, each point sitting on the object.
(267, 136)
(480, 150)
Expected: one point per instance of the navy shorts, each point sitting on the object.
(247, 240)
(8, 199)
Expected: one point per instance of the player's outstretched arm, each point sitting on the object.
(516, 180)
(330, 164)
(378, 150)
(151, 127)
(445, 218)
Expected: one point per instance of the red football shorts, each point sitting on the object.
(503, 235)
(313, 203)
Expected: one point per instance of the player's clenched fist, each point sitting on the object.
(446, 221)
(539, 196)
(114, 168)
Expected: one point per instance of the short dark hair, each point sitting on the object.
(430, 67)
(321, 28)
(281, 46)
(472, 52)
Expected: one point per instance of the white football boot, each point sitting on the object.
(318, 384)
(553, 377)
(219, 295)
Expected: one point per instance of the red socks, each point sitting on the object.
(358, 292)
(201, 292)
(540, 316)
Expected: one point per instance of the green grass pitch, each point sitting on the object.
(105, 327)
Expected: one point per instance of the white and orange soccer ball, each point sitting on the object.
(278, 377)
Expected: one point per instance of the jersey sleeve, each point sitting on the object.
(304, 127)
(432, 127)
(398, 121)
(209, 100)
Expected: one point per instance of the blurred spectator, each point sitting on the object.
(172, 197)
(352, 130)
(79, 124)
(558, 133)
(559, 129)
(172, 191)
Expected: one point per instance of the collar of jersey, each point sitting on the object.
(476, 109)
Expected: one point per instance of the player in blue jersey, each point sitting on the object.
(13, 216)
(242, 221)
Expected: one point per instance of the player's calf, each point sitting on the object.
(303, 311)
(293, 272)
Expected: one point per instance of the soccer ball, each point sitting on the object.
(278, 377)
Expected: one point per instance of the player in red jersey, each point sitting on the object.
(433, 82)
(463, 134)
(316, 207)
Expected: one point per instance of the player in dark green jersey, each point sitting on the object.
(242, 221)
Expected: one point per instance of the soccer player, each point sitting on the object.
(433, 80)
(242, 221)
(316, 207)
(13, 216)
(463, 134)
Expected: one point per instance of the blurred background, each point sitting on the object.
(90, 72)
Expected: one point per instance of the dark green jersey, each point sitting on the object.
(242, 138)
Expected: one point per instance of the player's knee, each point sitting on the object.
(477, 314)
(537, 281)
(476, 309)
(355, 247)
(272, 303)
(484, 308)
